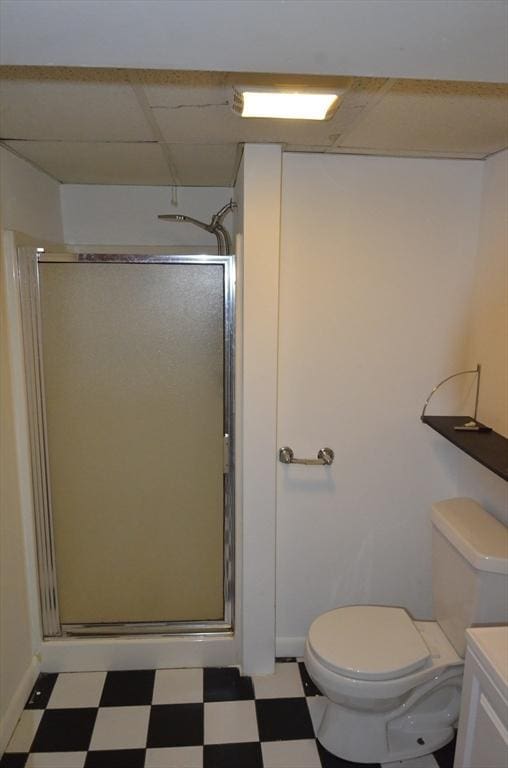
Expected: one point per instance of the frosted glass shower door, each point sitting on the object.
(133, 358)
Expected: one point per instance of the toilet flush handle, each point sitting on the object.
(325, 457)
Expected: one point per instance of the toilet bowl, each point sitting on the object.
(393, 684)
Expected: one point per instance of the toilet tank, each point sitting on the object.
(469, 568)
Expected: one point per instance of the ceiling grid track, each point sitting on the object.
(156, 131)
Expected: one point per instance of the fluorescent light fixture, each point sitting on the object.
(301, 105)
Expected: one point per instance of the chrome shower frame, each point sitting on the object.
(28, 275)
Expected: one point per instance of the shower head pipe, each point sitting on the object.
(215, 227)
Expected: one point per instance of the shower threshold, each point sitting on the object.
(134, 629)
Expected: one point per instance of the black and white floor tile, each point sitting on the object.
(178, 718)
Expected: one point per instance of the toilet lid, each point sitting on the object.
(368, 642)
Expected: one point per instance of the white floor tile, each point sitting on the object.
(285, 683)
(425, 761)
(316, 705)
(229, 722)
(297, 754)
(120, 728)
(77, 689)
(178, 686)
(56, 760)
(24, 733)
(174, 757)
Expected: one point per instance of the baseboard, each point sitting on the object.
(9, 721)
(289, 646)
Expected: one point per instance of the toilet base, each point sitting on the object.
(421, 724)
(361, 738)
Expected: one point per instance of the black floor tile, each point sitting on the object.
(41, 691)
(283, 719)
(247, 755)
(128, 689)
(176, 725)
(13, 760)
(116, 758)
(332, 761)
(285, 659)
(445, 756)
(226, 684)
(65, 730)
(308, 686)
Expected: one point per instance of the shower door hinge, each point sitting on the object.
(226, 453)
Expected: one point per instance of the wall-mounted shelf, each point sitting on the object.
(488, 448)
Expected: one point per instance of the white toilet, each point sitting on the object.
(393, 684)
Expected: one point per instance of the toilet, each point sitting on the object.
(393, 684)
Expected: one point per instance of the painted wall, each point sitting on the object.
(377, 271)
(489, 333)
(29, 199)
(15, 637)
(447, 39)
(96, 215)
(30, 202)
(258, 195)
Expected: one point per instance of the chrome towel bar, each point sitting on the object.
(325, 457)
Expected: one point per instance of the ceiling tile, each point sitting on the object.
(75, 109)
(219, 124)
(211, 120)
(85, 163)
(181, 89)
(469, 119)
(206, 165)
(87, 126)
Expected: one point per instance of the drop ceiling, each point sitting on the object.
(150, 127)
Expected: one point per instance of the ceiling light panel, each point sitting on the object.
(285, 105)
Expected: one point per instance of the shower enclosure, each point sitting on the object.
(129, 363)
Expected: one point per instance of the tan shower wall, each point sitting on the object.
(133, 371)
(15, 639)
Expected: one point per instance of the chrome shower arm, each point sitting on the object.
(218, 217)
(215, 227)
(188, 219)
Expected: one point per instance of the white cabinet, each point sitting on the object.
(482, 740)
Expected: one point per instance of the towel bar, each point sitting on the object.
(325, 457)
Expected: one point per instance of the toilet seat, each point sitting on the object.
(367, 642)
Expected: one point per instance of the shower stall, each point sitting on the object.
(130, 377)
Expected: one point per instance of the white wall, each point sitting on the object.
(258, 195)
(489, 333)
(377, 270)
(96, 215)
(29, 199)
(30, 202)
(490, 301)
(447, 39)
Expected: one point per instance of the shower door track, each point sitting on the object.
(28, 274)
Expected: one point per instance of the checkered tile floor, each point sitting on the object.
(178, 718)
